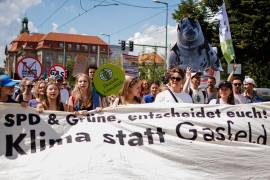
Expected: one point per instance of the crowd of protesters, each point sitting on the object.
(180, 87)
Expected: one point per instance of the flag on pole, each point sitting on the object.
(225, 35)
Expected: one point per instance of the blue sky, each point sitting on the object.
(123, 22)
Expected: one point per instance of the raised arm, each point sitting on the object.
(188, 79)
(230, 77)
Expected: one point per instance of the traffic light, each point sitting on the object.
(131, 45)
(123, 45)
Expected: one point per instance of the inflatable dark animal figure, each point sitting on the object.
(192, 49)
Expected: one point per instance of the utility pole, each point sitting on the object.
(109, 37)
(166, 38)
(65, 55)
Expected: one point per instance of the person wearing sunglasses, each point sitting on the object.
(174, 92)
(236, 84)
(238, 97)
(26, 93)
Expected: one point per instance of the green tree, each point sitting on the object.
(250, 29)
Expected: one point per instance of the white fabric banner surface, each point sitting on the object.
(149, 141)
(225, 34)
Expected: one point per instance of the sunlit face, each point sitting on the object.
(135, 90)
(83, 83)
(248, 87)
(196, 80)
(176, 80)
(154, 89)
(211, 83)
(52, 91)
(224, 92)
(91, 73)
(145, 84)
(236, 85)
(28, 86)
(41, 88)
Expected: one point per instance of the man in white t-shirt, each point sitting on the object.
(198, 95)
(174, 92)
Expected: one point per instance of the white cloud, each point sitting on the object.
(54, 27)
(72, 30)
(10, 22)
(32, 27)
(154, 35)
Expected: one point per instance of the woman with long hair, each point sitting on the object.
(225, 94)
(39, 93)
(174, 92)
(25, 95)
(80, 100)
(52, 98)
(131, 92)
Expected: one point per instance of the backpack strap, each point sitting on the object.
(190, 92)
(173, 95)
(205, 96)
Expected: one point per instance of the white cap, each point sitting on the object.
(249, 81)
(195, 73)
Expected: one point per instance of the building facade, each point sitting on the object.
(55, 48)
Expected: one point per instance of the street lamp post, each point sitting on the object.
(109, 39)
(166, 27)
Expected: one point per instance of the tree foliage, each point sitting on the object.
(250, 29)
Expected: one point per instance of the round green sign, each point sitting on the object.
(109, 79)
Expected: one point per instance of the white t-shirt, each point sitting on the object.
(214, 101)
(198, 97)
(64, 96)
(166, 97)
(240, 99)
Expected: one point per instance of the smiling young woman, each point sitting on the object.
(225, 94)
(174, 93)
(131, 92)
(52, 98)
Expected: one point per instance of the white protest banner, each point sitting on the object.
(149, 141)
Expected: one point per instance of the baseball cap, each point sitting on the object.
(5, 81)
(249, 81)
(195, 74)
(226, 84)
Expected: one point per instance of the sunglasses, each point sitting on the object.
(176, 78)
(29, 86)
(237, 84)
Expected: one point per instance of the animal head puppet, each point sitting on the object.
(192, 49)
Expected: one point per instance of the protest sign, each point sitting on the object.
(149, 141)
(109, 79)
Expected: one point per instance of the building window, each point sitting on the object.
(61, 45)
(78, 47)
(60, 59)
(85, 47)
(69, 46)
(94, 48)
